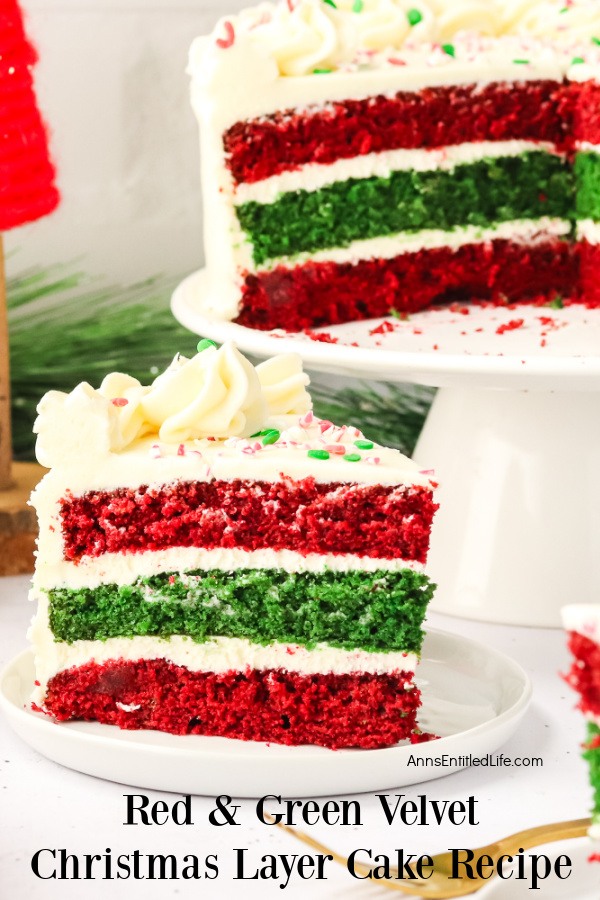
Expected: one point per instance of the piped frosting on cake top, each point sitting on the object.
(209, 417)
(434, 42)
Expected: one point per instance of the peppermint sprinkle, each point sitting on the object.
(318, 454)
(181, 450)
(119, 401)
(449, 49)
(372, 460)
(364, 445)
(414, 16)
(204, 344)
(229, 39)
(336, 449)
(155, 452)
(307, 419)
(248, 450)
(353, 457)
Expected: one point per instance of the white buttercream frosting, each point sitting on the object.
(216, 394)
(300, 37)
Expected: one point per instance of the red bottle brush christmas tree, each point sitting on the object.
(27, 191)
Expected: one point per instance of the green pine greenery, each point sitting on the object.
(66, 327)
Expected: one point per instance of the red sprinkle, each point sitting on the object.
(385, 328)
(510, 326)
(119, 401)
(229, 40)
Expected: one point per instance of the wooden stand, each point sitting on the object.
(18, 526)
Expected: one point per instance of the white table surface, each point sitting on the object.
(45, 805)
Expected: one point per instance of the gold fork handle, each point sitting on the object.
(547, 834)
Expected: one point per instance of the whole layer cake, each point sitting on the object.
(215, 560)
(367, 156)
(582, 623)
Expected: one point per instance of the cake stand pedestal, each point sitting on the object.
(513, 435)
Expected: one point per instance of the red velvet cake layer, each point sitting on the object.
(433, 117)
(385, 522)
(587, 113)
(318, 294)
(584, 676)
(589, 280)
(286, 708)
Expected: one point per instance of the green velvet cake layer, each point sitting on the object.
(587, 173)
(484, 193)
(592, 755)
(372, 611)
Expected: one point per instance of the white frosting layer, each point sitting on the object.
(313, 177)
(588, 230)
(584, 619)
(520, 231)
(125, 568)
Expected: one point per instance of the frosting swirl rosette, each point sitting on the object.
(284, 385)
(217, 394)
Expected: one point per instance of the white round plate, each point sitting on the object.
(442, 347)
(582, 884)
(473, 697)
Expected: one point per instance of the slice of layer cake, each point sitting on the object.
(215, 560)
(364, 156)
(582, 622)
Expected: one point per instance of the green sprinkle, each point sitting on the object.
(564, 10)
(358, 6)
(322, 71)
(414, 17)
(204, 344)
(577, 61)
(449, 49)
(330, 3)
(521, 62)
(318, 454)
(364, 445)
(557, 303)
(596, 41)
(262, 433)
(396, 314)
(353, 457)
(271, 437)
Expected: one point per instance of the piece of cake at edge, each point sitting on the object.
(363, 156)
(582, 622)
(215, 560)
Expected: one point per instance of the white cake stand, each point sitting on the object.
(514, 437)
